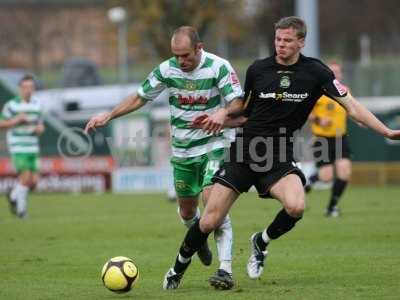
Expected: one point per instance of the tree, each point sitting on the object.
(152, 22)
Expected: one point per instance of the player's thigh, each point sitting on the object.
(343, 168)
(33, 165)
(290, 192)
(219, 203)
(214, 160)
(33, 162)
(325, 172)
(20, 162)
(187, 176)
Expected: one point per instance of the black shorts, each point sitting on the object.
(327, 150)
(241, 177)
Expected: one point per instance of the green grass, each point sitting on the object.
(58, 251)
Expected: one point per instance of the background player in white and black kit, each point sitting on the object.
(282, 90)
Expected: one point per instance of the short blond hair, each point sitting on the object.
(293, 22)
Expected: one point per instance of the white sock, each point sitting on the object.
(190, 222)
(265, 237)
(183, 259)
(14, 192)
(224, 237)
(22, 195)
(226, 265)
(171, 193)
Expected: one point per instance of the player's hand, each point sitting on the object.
(97, 121)
(39, 129)
(198, 121)
(393, 134)
(214, 123)
(20, 119)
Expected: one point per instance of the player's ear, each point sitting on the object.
(198, 47)
(302, 42)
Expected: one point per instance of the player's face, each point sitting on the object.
(187, 55)
(26, 89)
(287, 45)
(337, 70)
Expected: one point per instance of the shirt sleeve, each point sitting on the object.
(153, 86)
(329, 84)
(6, 112)
(228, 83)
(249, 91)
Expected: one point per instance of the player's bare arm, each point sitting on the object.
(12, 122)
(362, 115)
(224, 117)
(130, 104)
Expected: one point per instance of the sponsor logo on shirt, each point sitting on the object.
(285, 96)
(266, 95)
(342, 89)
(191, 100)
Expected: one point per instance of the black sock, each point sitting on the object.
(260, 242)
(313, 178)
(338, 188)
(282, 223)
(193, 241)
(180, 267)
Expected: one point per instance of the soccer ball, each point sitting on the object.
(119, 274)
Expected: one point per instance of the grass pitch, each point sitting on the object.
(58, 251)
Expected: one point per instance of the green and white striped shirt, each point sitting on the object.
(21, 138)
(210, 86)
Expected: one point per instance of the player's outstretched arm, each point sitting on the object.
(362, 115)
(130, 104)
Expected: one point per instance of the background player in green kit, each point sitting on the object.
(21, 117)
(198, 83)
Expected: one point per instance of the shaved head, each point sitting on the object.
(187, 32)
(186, 47)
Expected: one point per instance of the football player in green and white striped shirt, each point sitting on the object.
(199, 83)
(22, 118)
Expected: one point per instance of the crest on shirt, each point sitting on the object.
(190, 85)
(342, 89)
(285, 82)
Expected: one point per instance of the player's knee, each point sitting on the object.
(343, 169)
(344, 173)
(187, 213)
(33, 183)
(326, 174)
(296, 209)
